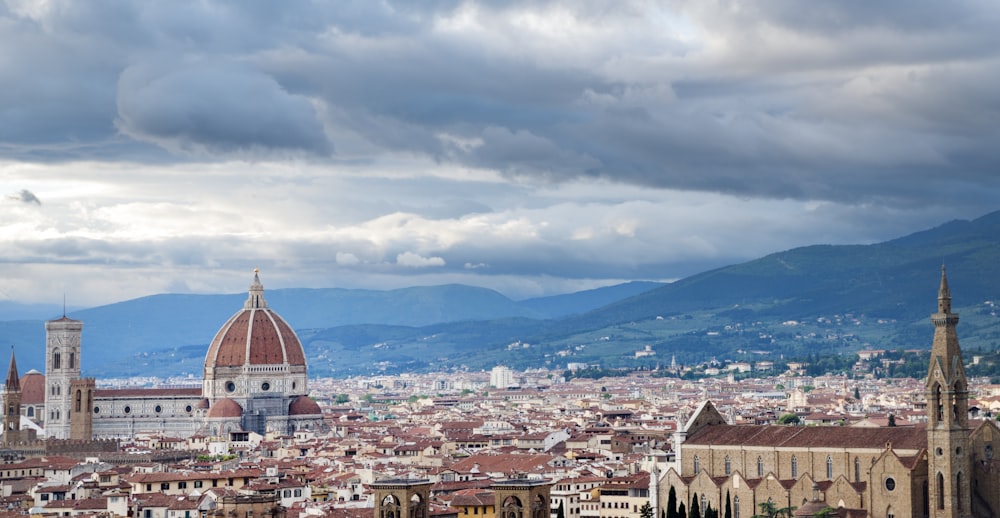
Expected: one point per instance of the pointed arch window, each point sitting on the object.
(56, 360)
(958, 490)
(795, 468)
(937, 401)
(736, 507)
(829, 467)
(760, 467)
(940, 491)
(697, 465)
(729, 465)
(857, 469)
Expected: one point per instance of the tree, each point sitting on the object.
(561, 513)
(789, 418)
(709, 512)
(341, 399)
(857, 394)
(672, 503)
(646, 511)
(729, 506)
(770, 510)
(695, 510)
(681, 510)
(892, 420)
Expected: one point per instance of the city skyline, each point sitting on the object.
(533, 149)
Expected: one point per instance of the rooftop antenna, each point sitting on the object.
(64, 305)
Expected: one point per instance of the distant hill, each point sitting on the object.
(896, 279)
(557, 306)
(172, 322)
(795, 303)
(815, 299)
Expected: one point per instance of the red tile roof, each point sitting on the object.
(902, 438)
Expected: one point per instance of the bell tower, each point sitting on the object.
(949, 461)
(62, 366)
(12, 433)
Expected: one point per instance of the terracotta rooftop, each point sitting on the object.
(902, 438)
(225, 408)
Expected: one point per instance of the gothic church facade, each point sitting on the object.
(942, 469)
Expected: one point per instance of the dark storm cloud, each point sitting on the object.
(855, 102)
(215, 107)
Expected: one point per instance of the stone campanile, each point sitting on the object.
(62, 367)
(949, 461)
(12, 433)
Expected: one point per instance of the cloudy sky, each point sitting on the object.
(530, 147)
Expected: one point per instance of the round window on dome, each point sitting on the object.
(158, 409)
(97, 410)
(230, 386)
(187, 409)
(265, 386)
(128, 410)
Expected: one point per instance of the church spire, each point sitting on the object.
(255, 299)
(945, 352)
(948, 463)
(944, 295)
(13, 380)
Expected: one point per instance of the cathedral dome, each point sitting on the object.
(33, 388)
(225, 408)
(304, 405)
(255, 336)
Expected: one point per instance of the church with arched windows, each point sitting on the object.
(942, 469)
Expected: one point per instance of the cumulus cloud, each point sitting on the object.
(414, 260)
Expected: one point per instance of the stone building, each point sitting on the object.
(255, 380)
(942, 469)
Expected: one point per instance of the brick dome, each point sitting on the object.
(225, 408)
(33, 388)
(303, 405)
(255, 336)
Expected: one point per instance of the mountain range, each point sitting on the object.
(796, 303)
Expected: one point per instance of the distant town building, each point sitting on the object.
(502, 377)
(645, 352)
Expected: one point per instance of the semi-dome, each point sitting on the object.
(225, 408)
(255, 335)
(304, 405)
